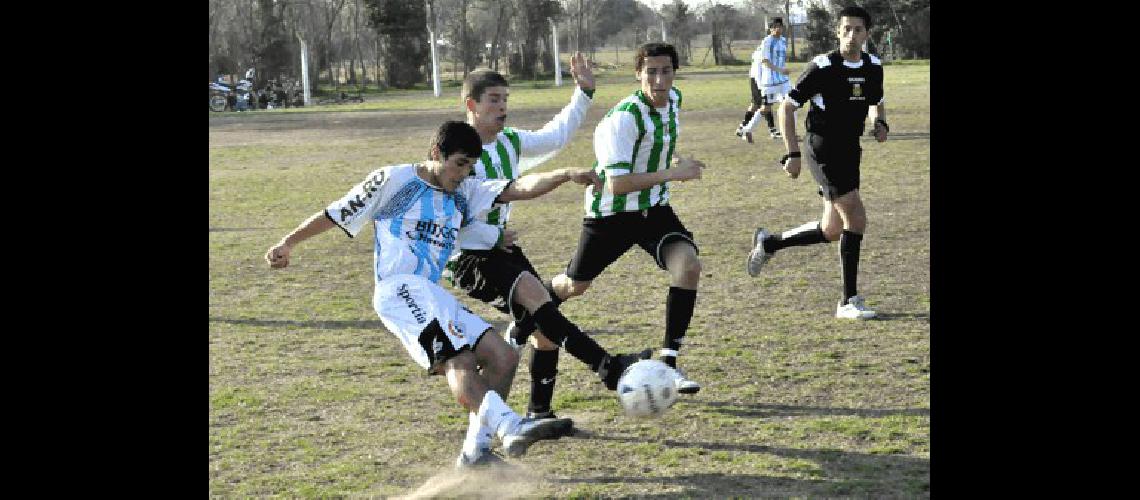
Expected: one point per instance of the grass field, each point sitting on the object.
(310, 396)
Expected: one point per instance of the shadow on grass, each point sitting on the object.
(923, 316)
(758, 410)
(840, 473)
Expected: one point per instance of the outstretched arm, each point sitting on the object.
(278, 255)
(682, 169)
(532, 186)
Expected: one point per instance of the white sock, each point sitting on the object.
(478, 437)
(756, 117)
(496, 415)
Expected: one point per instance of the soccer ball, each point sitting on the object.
(646, 389)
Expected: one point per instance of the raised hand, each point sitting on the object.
(580, 70)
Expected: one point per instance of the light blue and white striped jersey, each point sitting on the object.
(513, 152)
(416, 223)
(634, 138)
(775, 50)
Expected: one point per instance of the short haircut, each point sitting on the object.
(477, 81)
(856, 11)
(775, 21)
(653, 49)
(456, 136)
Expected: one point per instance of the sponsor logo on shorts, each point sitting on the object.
(403, 293)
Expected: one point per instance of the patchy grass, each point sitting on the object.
(311, 397)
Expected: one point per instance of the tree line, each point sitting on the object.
(386, 42)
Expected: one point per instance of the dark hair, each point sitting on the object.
(477, 81)
(856, 11)
(775, 21)
(456, 137)
(653, 49)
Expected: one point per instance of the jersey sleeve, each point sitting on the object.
(808, 85)
(766, 49)
(479, 235)
(553, 136)
(353, 210)
(614, 139)
(480, 195)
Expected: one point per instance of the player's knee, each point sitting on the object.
(529, 289)
(690, 268)
(832, 231)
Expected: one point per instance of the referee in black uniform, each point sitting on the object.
(843, 86)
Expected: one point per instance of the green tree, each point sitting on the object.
(402, 28)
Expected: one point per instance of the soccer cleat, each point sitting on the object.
(485, 458)
(613, 366)
(758, 256)
(853, 309)
(684, 385)
(775, 134)
(526, 432)
(564, 426)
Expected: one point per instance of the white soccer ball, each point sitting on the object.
(646, 389)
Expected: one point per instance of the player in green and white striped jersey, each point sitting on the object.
(490, 266)
(635, 145)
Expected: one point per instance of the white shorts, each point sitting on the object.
(431, 324)
(773, 94)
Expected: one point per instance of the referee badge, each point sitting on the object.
(856, 90)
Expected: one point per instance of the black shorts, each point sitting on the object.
(605, 239)
(834, 163)
(490, 276)
(757, 95)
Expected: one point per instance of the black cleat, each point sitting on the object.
(562, 426)
(614, 366)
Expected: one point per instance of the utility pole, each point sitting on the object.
(557, 62)
(434, 62)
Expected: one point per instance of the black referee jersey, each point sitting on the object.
(840, 94)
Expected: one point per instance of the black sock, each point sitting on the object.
(747, 117)
(849, 244)
(807, 234)
(768, 118)
(678, 312)
(561, 331)
(543, 370)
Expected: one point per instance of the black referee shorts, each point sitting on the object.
(757, 95)
(490, 276)
(605, 239)
(834, 163)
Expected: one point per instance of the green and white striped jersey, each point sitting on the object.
(633, 138)
(513, 152)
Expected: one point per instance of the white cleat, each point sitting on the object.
(683, 384)
(757, 257)
(853, 309)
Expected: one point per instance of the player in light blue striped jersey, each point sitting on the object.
(768, 79)
(416, 211)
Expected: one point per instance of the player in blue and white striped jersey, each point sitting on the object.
(634, 146)
(768, 80)
(417, 211)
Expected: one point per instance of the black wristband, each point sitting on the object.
(880, 121)
(784, 159)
